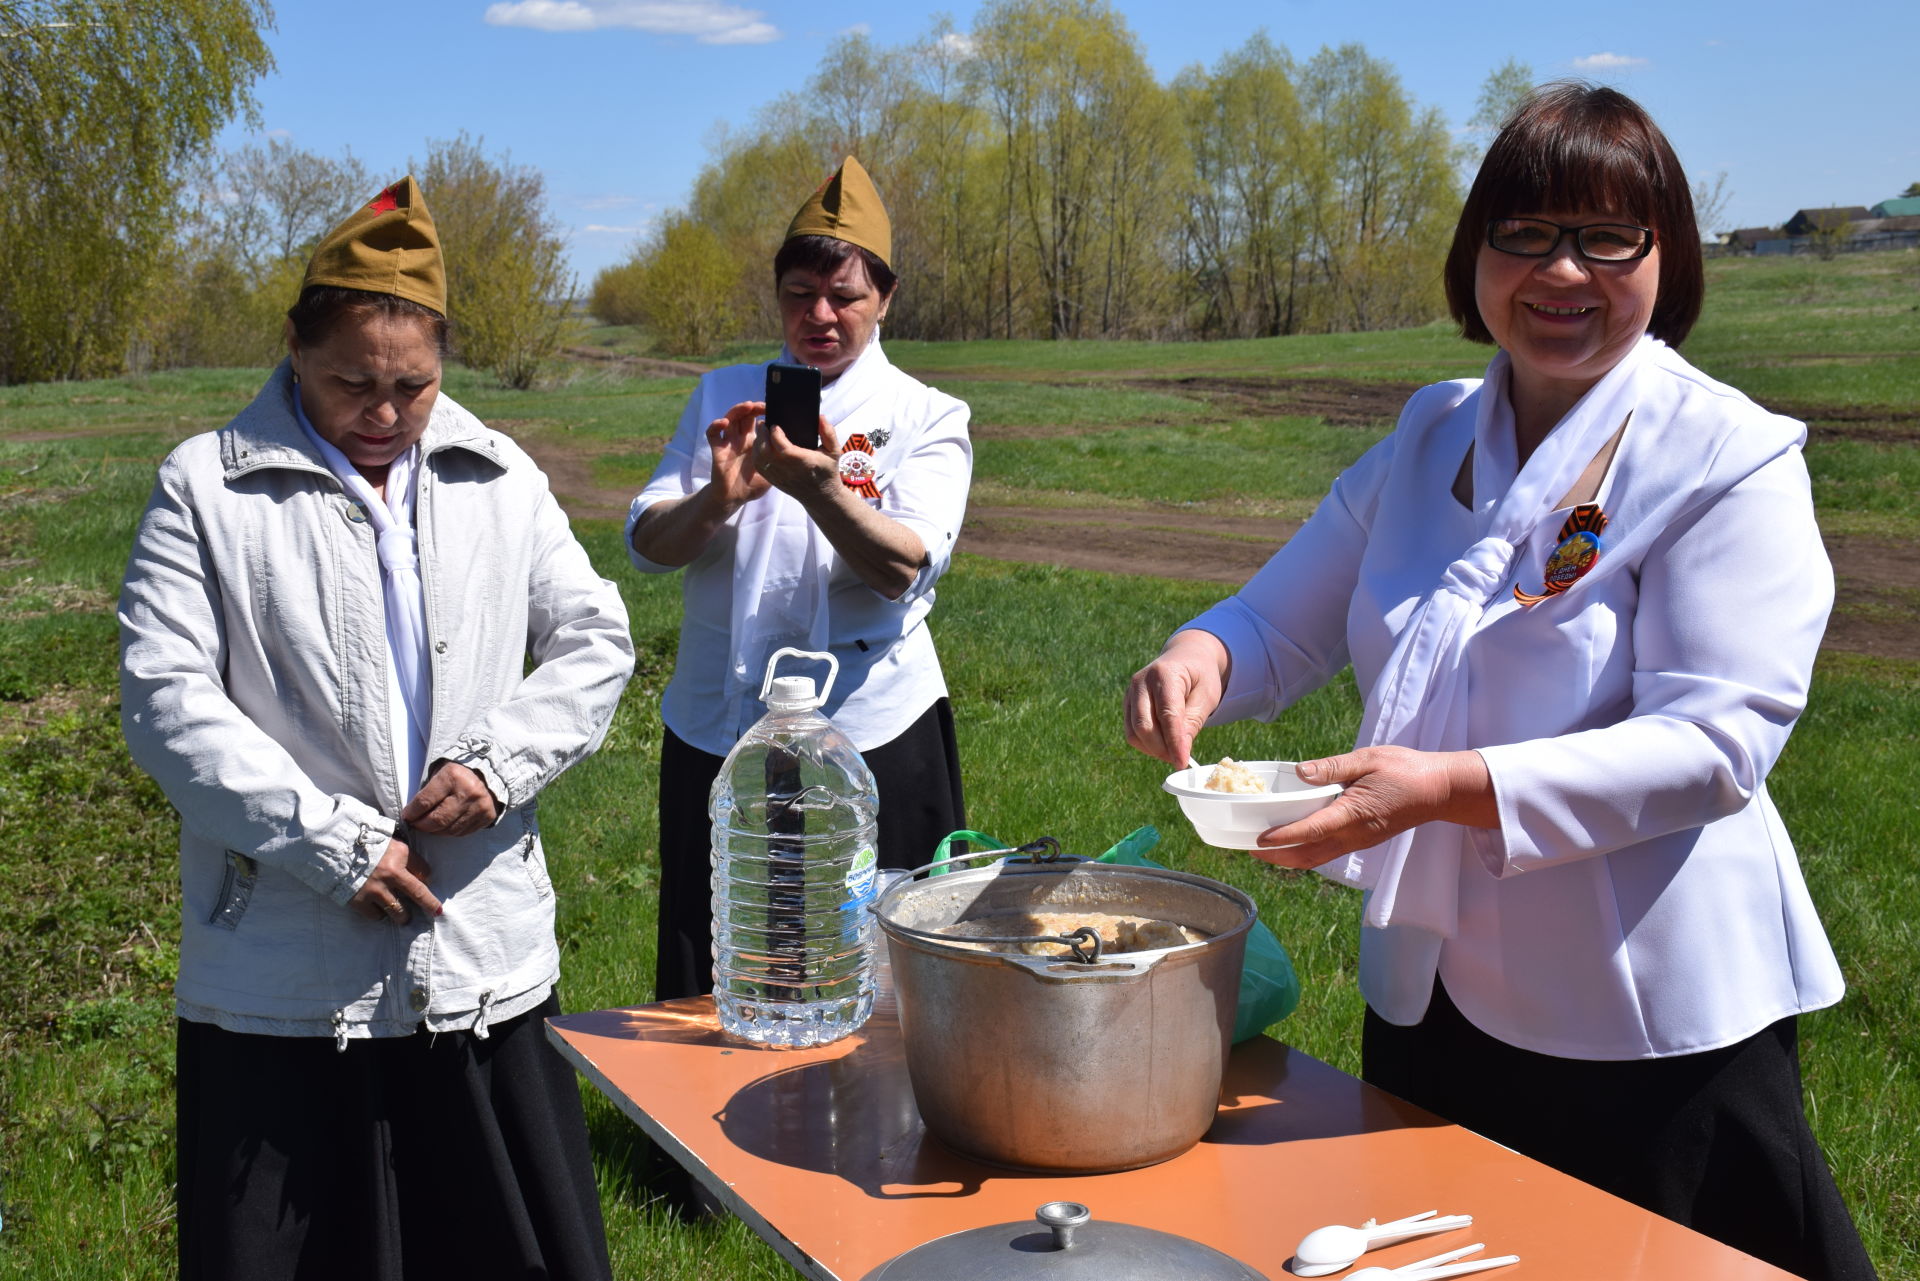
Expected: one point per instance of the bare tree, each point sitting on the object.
(1710, 197)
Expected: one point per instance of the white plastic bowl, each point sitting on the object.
(1234, 821)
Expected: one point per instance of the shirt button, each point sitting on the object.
(418, 998)
(439, 647)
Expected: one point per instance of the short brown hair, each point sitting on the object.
(823, 255)
(1580, 146)
(322, 309)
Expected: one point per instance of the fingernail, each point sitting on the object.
(1308, 770)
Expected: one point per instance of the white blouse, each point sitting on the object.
(1640, 897)
(889, 673)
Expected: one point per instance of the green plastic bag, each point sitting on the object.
(1269, 989)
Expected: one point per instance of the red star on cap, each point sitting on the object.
(385, 202)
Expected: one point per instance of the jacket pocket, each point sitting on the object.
(236, 891)
(532, 857)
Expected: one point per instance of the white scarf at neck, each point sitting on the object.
(410, 701)
(1421, 697)
(781, 562)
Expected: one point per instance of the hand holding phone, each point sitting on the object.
(793, 402)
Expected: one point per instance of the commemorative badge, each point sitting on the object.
(1578, 551)
(857, 469)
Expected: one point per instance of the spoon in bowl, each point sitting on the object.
(1327, 1250)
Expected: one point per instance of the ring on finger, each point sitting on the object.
(392, 908)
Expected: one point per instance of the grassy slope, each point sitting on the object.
(1035, 656)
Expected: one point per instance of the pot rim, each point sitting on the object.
(1053, 969)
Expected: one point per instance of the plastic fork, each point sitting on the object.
(1440, 1265)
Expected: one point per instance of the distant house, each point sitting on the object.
(1899, 207)
(1747, 238)
(1884, 233)
(1808, 221)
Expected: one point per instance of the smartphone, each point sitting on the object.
(793, 402)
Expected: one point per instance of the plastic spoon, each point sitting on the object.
(1440, 1265)
(1327, 1250)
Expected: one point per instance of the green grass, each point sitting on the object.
(1035, 656)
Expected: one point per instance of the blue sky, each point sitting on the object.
(617, 101)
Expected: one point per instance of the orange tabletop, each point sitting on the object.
(823, 1154)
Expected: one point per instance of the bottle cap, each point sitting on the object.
(793, 694)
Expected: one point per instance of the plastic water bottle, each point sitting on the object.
(793, 812)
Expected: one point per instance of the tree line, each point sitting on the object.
(127, 243)
(1043, 183)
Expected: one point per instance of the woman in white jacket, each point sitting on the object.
(326, 622)
(1583, 598)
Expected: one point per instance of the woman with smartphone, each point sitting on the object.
(814, 515)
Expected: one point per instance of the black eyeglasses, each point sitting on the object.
(1598, 241)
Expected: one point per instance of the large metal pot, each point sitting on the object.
(1063, 1065)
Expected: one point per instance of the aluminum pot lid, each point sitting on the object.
(1064, 1243)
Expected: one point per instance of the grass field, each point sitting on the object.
(1036, 657)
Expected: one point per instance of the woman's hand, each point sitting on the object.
(1389, 789)
(674, 531)
(885, 554)
(452, 802)
(795, 469)
(398, 879)
(1170, 698)
(735, 441)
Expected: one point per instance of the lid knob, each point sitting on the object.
(1063, 1217)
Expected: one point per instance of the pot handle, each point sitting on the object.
(1053, 969)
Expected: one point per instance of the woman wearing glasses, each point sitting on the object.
(1583, 596)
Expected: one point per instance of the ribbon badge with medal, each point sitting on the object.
(858, 471)
(1578, 551)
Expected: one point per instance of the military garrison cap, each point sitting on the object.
(847, 207)
(388, 246)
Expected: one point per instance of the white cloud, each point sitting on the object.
(605, 230)
(858, 29)
(280, 133)
(1608, 62)
(745, 33)
(544, 15)
(957, 43)
(608, 202)
(708, 21)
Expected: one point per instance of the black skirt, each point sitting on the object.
(918, 778)
(400, 1159)
(1717, 1140)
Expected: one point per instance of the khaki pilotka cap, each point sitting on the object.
(847, 207)
(389, 246)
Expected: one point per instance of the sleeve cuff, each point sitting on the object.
(640, 503)
(346, 851)
(1506, 849)
(477, 755)
(1247, 695)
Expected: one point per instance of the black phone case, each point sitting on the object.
(793, 402)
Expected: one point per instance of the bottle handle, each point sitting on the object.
(833, 670)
